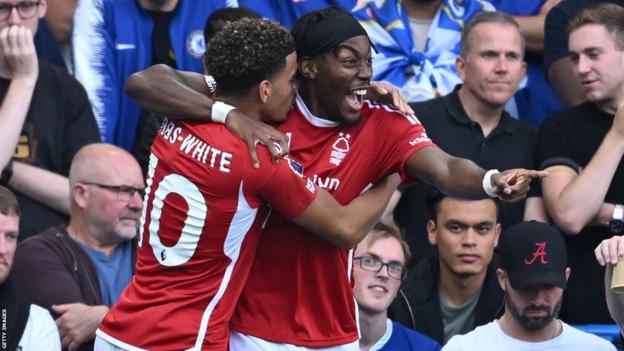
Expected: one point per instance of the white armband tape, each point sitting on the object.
(220, 111)
(489, 189)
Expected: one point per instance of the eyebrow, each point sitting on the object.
(352, 49)
(379, 258)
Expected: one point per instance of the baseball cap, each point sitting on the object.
(533, 253)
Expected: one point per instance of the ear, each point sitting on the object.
(497, 232)
(502, 277)
(264, 91)
(307, 67)
(432, 232)
(524, 68)
(80, 195)
(567, 273)
(460, 66)
(43, 8)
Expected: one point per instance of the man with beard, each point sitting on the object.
(533, 275)
(85, 266)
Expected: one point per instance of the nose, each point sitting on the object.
(501, 64)
(383, 272)
(583, 64)
(3, 244)
(470, 237)
(14, 17)
(366, 71)
(136, 202)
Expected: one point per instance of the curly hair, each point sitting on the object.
(247, 52)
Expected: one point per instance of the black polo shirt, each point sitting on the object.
(510, 145)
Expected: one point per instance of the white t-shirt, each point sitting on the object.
(492, 337)
(40, 332)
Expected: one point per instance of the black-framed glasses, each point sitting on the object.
(123, 192)
(373, 264)
(26, 9)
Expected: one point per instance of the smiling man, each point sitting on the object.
(86, 265)
(455, 291)
(344, 143)
(582, 148)
(380, 261)
(533, 275)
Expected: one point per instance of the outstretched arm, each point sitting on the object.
(345, 226)
(463, 178)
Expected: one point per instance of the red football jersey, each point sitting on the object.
(299, 291)
(199, 232)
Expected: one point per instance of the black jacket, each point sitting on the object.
(417, 305)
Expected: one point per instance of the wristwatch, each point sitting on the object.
(616, 224)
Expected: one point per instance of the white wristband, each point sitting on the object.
(489, 189)
(220, 111)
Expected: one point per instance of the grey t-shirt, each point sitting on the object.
(458, 320)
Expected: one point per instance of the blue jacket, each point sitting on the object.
(112, 40)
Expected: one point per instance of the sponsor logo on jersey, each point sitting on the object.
(340, 149)
(296, 167)
(423, 138)
(195, 44)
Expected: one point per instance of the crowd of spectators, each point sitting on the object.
(537, 85)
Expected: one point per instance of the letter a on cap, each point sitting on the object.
(540, 252)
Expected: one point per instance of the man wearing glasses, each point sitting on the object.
(379, 264)
(78, 271)
(45, 119)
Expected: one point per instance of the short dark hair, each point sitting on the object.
(487, 17)
(246, 52)
(606, 14)
(221, 17)
(387, 229)
(434, 197)
(8, 202)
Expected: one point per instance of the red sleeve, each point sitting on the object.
(286, 188)
(403, 135)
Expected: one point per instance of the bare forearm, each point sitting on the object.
(174, 94)
(12, 115)
(44, 186)
(533, 29)
(345, 226)
(578, 202)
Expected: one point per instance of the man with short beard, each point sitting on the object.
(533, 275)
(85, 266)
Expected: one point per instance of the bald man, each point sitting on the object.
(85, 266)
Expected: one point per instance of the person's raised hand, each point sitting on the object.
(386, 93)
(254, 132)
(18, 50)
